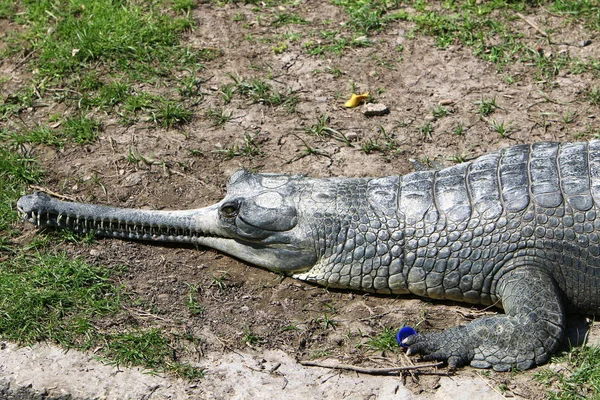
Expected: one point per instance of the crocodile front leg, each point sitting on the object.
(529, 331)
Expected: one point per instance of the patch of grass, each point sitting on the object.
(326, 322)
(580, 381)
(426, 130)
(54, 298)
(279, 48)
(41, 134)
(15, 103)
(486, 106)
(249, 148)
(284, 18)
(110, 95)
(569, 116)
(169, 114)
(288, 328)
(194, 307)
(500, 128)
(183, 5)
(579, 10)
(593, 95)
(385, 341)
(440, 112)
(321, 129)
(486, 27)
(386, 142)
(259, 91)
(368, 16)
(16, 171)
(220, 282)
(81, 129)
(75, 36)
(148, 348)
(458, 158)
(218, 116)
(459, 129)
(250, 338)
(191, 86)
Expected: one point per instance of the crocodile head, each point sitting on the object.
(258, 221)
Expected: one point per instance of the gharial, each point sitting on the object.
(519, 229)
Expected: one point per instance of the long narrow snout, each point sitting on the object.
(169, 226)
(198, 226)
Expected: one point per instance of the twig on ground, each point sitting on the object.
(533, 25)
(53, 193)
(366, 370)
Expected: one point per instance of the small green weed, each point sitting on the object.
(41, 134)
(385, 341)
(218, 116)
(111, 94)
(169, 114)
(486, 106)
(81, 129)
(426, 130)
(191, 86)
(459, 129)
(326, 322)
(458, 158)
(192, 303)
(261, 92)
(500, 128)
(250, 338)
(440, 112)
(288, 328)
(569, 116)
(287, 19)
(249, 148)
(220, 282)
(321, 129)
(386, 142)
(580, 381)
(593, 95)
(16, 171)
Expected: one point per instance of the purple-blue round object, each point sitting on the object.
(403, 334)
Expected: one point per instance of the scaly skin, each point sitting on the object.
(517, 229)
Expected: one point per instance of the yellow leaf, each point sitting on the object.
(356, 100)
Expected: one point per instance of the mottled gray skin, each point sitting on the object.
(517, 229)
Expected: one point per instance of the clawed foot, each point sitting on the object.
(428, 345)
(444, 346)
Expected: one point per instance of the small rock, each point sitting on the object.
(586, 42)
(133, 179)
(446, 102)
(352, 136)
(163, 297)
(94, 252)
(362, 41)
(373, 110)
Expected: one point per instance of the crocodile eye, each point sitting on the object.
(229, 210)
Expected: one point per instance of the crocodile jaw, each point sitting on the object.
(200, 226)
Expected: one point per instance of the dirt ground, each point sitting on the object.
(247, 309)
